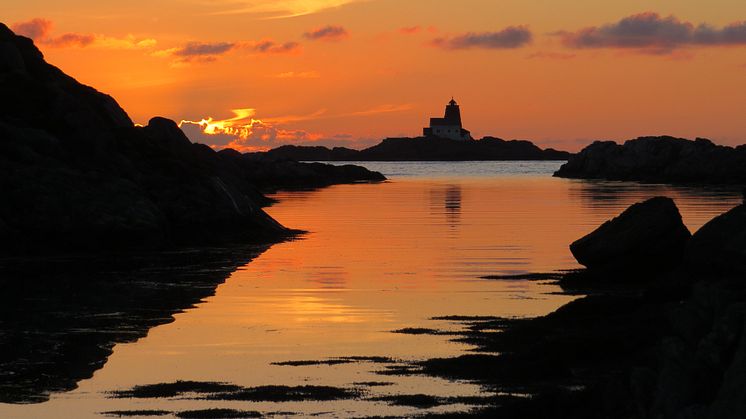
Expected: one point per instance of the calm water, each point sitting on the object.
(377, 258)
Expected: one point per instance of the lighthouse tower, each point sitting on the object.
(449, 126)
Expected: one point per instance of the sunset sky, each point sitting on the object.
(350, 72)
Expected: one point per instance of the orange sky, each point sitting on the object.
(350, 72)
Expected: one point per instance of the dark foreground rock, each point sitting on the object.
(648, 236)
(76, 173)
(720, 245)
(659, 159)
(670, 347)
(422, 149)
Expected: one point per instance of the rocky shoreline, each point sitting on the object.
(660, 331)
(77, 174)
(659, 160)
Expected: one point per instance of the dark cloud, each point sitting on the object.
(272, 47)
(71, 40)
(196, 49)
(327, 33)
(652, 33)
(510, 37)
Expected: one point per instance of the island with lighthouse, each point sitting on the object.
(445, 139)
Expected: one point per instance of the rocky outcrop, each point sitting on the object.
(720, 245)
(422, 149)
(659, 159)
(648, 236)
(671, 346)
(76, 173)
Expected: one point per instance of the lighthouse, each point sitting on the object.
(449, 126)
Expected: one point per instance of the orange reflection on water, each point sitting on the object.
(377, 258)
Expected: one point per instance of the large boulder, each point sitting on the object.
(720, 245)
(648, 236)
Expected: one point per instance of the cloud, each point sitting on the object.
(649, 32)
(195, 49)
(40, 30)
(269, 46)
(274, 9)
(207, 52)
(70, 40)
(244, 131)
(508, 38)
(387, 108)
(297, 75)
(35, 29)
(327, 33)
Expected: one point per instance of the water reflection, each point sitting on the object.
(328, 277)
(698, 204)
(446, 200)
(60, 319)
(378, 258)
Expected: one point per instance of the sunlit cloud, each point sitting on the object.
(327, 33)
(654, 34)
(40, 30)
(244, 131)
(274, 9)
(388, 108)
(508, 38)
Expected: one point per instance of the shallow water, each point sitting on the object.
(378, 257)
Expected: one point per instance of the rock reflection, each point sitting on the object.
(57, 329)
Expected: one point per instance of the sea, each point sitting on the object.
(375, 258)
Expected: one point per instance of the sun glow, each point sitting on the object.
(240, 125)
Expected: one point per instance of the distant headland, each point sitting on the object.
(420, 149)
(444, 140)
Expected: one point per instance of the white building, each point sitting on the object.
(449, 126)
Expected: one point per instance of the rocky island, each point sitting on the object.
(420, 149)
(76, 173)
(660, 160)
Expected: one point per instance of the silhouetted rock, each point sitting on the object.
(659, 159)
(647, 236)
(720, 245)
(76, 173)
(422, 149)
